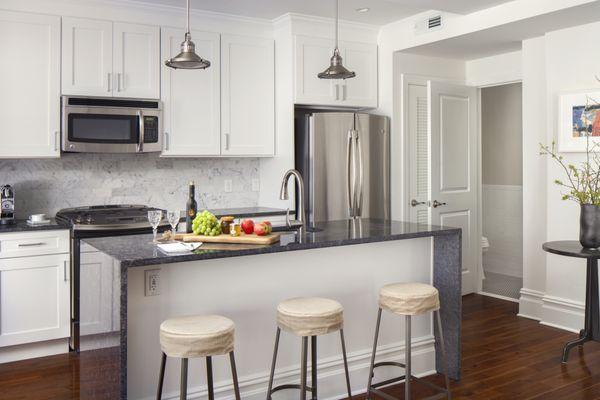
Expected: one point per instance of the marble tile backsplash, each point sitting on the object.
(46, 186)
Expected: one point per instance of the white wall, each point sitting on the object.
(489, 71)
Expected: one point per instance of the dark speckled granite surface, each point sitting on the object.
(137, 250)
(22, 226)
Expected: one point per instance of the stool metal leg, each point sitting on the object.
(236, 385)
(161, 376)
(345, 364)
(313, 366)
(183, 385)
(209, 378)
(443, 348)
(273, 363)
(304, 368)
(373, 353)
(407, 345)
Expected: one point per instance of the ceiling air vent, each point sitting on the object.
(432, 23)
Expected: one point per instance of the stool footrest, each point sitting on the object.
(289, 386)
(389, 364)
(443, 393)
(389, 381)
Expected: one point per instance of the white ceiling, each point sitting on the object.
(381, 11)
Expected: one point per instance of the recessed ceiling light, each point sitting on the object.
(363, 9)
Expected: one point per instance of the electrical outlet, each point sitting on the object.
(255, 185)
(152, 282)
(228, 186)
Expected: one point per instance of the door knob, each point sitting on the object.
(437, 204)
(415, 203)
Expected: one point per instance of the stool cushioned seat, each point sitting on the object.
(409, 298)
(310, 316)
(197, 336)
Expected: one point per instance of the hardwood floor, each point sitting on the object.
(504, 357)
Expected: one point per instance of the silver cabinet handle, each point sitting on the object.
(65, 270)
(166, 140)
(415, 203)
(344, 91)
(109, 82)
(227, 141)
(437, 204)
(31, 244)
(119, 81)
(337, 91)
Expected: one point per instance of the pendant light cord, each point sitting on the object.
(337, 16)
(188, 16)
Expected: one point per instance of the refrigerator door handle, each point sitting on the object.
(359, 191)
(349, 174)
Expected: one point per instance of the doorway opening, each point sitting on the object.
(502, 190)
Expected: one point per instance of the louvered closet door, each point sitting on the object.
(418, 149)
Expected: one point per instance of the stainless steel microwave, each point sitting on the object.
(109, 125)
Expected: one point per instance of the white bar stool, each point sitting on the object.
(308, 316)
(408, 299)
(193, 337)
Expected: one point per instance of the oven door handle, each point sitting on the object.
(140, 145)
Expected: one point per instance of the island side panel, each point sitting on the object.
(123, 328)
(248, 289)
(447, 278)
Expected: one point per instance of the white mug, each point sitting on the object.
(37, 217)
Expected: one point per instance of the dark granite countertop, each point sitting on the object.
(21, 225)
(137, 250)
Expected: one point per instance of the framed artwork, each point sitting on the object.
(579, 117)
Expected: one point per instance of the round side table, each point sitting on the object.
(591, 331)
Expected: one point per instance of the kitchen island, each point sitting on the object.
(345, 260)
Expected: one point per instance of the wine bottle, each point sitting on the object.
(190, 209)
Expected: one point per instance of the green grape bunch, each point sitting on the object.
(206, 224)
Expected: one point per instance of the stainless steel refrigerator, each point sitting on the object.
(344, 158)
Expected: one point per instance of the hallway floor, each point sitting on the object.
(502, 285)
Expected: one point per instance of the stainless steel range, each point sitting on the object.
(98, 221)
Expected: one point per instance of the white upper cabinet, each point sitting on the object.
(87, 57)
(312, 56)
(30, 82)
(191, 98)
(100, 58)
(136, 60)
(248, 96)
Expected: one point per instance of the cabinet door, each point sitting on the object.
(30, 84)
(312, 57)
(87, 57)
(136, 61)
(34, 299)
(191, 98)
(360, 91)
(248, 96)
(96, 304)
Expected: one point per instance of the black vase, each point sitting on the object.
(589, 226)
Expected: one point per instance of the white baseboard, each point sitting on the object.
(331, 382)
(562, 313)
(530, 304)
(34, 350)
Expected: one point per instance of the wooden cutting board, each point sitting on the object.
(224, 238)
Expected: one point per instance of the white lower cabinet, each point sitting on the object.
(96, 298)
(34, 299)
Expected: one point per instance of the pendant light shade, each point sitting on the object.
(187, 59)
(336, 69)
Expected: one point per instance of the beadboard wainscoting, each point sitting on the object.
(503, 226)
(47, 185)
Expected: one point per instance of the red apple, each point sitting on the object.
(261, 229)
(248, 226)
(268, 225)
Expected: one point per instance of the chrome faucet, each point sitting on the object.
(284, 195)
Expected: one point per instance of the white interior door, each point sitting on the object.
(453, 168)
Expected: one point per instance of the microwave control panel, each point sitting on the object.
(150, 129)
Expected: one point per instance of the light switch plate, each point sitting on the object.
(228, 186)
(152, 279)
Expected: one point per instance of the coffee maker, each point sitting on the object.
(7, 205)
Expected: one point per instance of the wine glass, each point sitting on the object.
(154, 217)
(173, 218)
